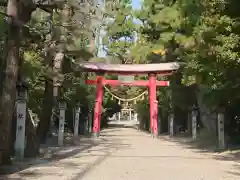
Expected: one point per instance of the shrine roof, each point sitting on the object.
(159, 68)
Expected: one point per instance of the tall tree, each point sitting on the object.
(17, 16)
(120, 30)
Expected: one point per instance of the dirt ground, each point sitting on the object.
(128, 154)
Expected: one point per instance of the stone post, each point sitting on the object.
(171, 124)
(221, 136)
(90, 122)
(119, 116)
(76, 119)
(136, 116)
(130, 115)
(194, 122)
(62, 108)
(21, 109)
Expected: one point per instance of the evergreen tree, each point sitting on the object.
(120, 30)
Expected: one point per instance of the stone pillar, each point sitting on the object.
(171, 124)
(118, 116)
(136, 116)
(90, 122)
(21, 109)
(76, 119)
(62, 108)
(221, 136)
(130, 115)
(20, 130)
(194, 123)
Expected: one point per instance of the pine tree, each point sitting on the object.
(120, 30)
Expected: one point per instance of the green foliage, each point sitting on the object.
(120, 30)
(142, 109)
(215, 56)
(34, 71)
(202, 34)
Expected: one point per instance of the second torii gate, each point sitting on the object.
(152, 70)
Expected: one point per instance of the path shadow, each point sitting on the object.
(207, 146)
(200, 145)
(110, 147)
(229, 155)
(51, 156)
(235, 170)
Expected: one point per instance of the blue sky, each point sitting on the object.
(136, 4)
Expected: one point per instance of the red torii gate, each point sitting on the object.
(135, 83)
(152, 70)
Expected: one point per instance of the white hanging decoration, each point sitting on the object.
(135, 101)
(119, 102)
(112, 98)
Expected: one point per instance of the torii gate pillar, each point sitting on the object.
(153, 104)
(98, 106)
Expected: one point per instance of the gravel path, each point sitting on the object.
(128, 154)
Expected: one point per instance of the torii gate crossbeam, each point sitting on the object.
(134, 83)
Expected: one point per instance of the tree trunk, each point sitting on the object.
(55, 60)
(48, 102)
(3, 62)
(206, 116)
(177, 95)
(46, 114)
(9, 86)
